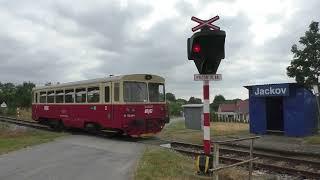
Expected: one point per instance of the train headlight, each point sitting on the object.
(148, 77)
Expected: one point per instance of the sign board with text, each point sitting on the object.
(271, 90)
(207, 77)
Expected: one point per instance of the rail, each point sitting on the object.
(216, 167)
(26, 123)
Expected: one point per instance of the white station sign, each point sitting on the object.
(207, 77)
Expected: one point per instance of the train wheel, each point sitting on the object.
(43, 121)
(118, 133)
(56, 125)
(92, 127)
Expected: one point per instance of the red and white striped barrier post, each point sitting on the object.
(206, 118)
(203, 161)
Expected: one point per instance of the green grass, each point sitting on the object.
(159, 163)
(177, 131)
(14, 139)
(313, 139)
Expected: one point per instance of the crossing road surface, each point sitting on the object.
(76, 157)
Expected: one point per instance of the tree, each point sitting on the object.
(305, 66)
(182, 101)
(170, 97)
(16, 96)
(218, 99)
(7, 94)
(175, 109)
(24, 94)
(194, 100)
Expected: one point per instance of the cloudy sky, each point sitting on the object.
(65, 40)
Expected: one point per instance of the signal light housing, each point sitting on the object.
(206, 48)
(196, 48)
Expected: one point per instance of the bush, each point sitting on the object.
(3, 111)
(175, 109)
(11, 111)
(214, 116)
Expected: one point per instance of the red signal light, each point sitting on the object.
(196, 48)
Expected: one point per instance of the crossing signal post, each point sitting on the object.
(206, 49)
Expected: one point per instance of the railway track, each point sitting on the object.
(24, 123)
(304, 168)
(104, 134)
(271, 162)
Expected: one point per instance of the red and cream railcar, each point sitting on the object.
(130, 104)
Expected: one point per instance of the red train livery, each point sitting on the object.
(129, 104)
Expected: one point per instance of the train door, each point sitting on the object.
(274, 109)
(108, 103)
(34, 105)
(116, 108)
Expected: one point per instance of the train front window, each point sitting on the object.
(156, 92)
(135, 92)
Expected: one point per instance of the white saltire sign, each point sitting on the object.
(3, 105)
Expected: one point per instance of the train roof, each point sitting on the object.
(100, 80)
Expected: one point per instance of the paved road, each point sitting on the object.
(76, 157)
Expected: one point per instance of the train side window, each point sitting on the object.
(116, 91)
(43, 97)
(81, 95)
(36, 99)
(69, 96)
(93, 94)
(156, 92)
(59, 96)
(50, 97)
(107, 94)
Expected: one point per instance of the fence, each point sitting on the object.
(229, 118)
(216, 166)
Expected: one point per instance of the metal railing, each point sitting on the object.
(217, 167)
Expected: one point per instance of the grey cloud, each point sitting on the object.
(110, 23)
(106, 35)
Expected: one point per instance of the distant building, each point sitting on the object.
(287, 108)
(237, 111)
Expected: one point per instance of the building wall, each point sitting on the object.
(257, 111)
(310, 112)
(299, 112)
(293, 112)
(234, 112)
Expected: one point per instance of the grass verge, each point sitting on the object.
(177, 131)
(159, 163)
(14, 137)
(164, 164)
(313, 139)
